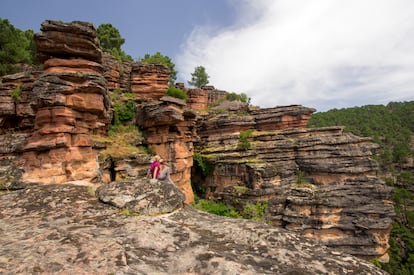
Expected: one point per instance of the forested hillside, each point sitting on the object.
(392, 127)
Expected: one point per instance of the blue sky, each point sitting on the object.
(319, 53)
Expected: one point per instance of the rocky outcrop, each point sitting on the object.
(70, 103)
(16, 111)
(170, 131)
(142, 197)
(200, 98)
(149, 81)
(320, 182)
(117, 74)
(72, 232)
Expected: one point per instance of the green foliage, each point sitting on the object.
(244, 142)
(16, 47)
(199, 77)
(177, 93)
(158, 58)
(203, 164)
(256, 212)
(111, 41)
(401, 251)
(124, 111)
(403, 199)
(217, 208)
(17, 93)
(238, 97)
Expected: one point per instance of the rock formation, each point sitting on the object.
(149, 80)
(169, 128)
(70, 103)
(319, 182)
(62, 229)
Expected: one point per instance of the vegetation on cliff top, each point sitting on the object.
(158, 58)
(199, 77)
(111, 41)
(16, 47)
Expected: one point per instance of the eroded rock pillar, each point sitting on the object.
(70, 102)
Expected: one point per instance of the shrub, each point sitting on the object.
(239, 97)
(216, 208)
(176, 92)
(17, 93)
(124, 111)
(256, 212)
(204, 165)
(244, 143)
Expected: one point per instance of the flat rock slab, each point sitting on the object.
(65, 229)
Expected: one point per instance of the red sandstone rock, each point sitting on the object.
(75, 39)
(170, 131)
(149, 80)
(71, 103)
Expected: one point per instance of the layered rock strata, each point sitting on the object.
(70, 102)
(320, 182)
(16, 111)
(149, 81)
(117, 74)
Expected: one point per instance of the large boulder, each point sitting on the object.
(146, 197)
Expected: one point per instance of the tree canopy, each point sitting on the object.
(158, 58)
(199, 77)
(111, 41)
(16, 47)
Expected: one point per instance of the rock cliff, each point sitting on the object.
(320, 183)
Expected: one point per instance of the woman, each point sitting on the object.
(159, 172)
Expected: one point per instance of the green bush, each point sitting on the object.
(17, 93)
(217, 208)
(176, 92)
(124, 111)
(256, 212)
(238, 97)
(244, 142)
(203, 164)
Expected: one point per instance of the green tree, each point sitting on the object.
(158, 58)
(111, 41)
(16, 47)
(199, 78)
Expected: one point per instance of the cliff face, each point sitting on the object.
(319, 182)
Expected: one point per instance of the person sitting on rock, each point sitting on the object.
(160, 171)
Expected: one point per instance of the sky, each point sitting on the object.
(322, 54)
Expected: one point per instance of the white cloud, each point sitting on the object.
(318, 53)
